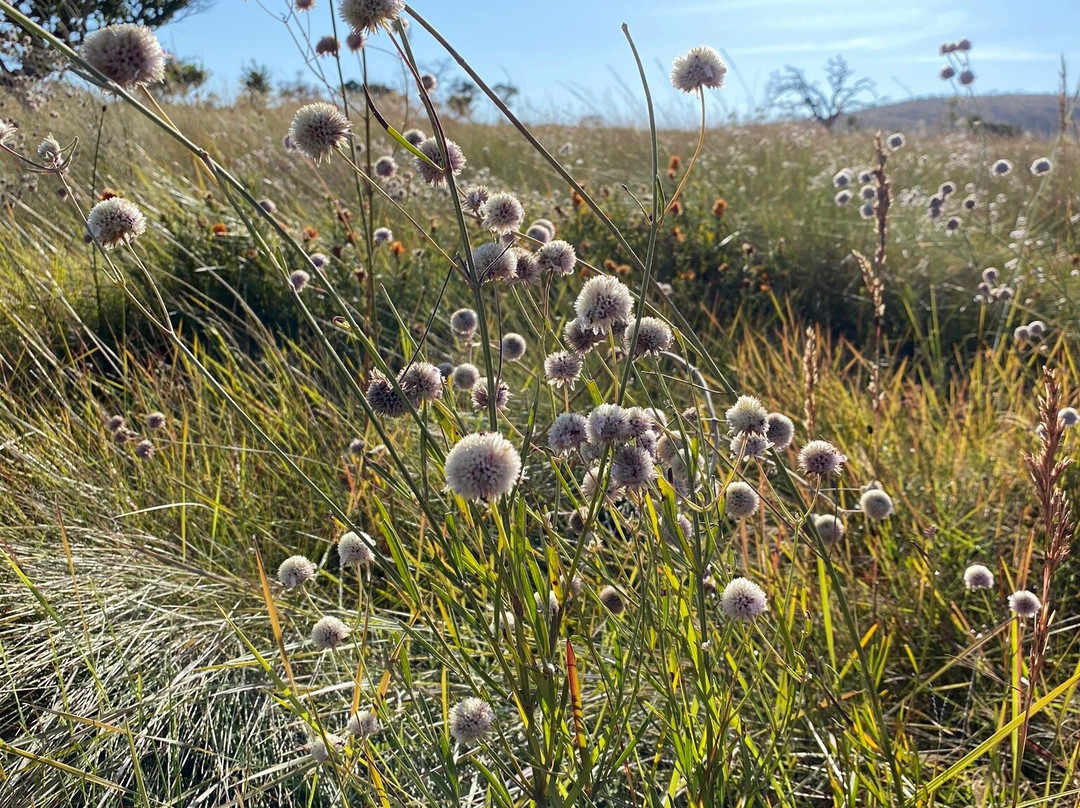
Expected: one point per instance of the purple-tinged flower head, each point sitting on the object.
(1041, 166)
(414, 137)
(429, 82)
(464, 323)
(842, 197)
(638, 421)
(538, 233)
(385, 167)
(482, 466)
(580, 338)
(546, 223)
(155, 420)
(966, 78)
(563, 368)
(355, 549)
(268, 205)
(603, 302)
(612, 600)
(820, 458)
(653, 336)
(528, 268)
(114, 222)
(494, 261)
(747, 415)
(1022, 333)
(867, 210)
(321, 748)
(608, 424)
(842, 178)
(299, 280)
(1001, 168)
(567, 433)
(328, 634)
(144, 450)
(1069, 417)
(743, 600)
(947, 72)
(420, 382)
(749, 445)
(1037, 328)
(876, 504)
(356, 40)
(304, 5)
(446, 369)
(946, 189)
(953, 224)
(470, 720)
(740, 500)
(318, 129)
(866, 177)
(962, 44)
(632, 467)
(779, 430)
(895, 141)
(699, 68)
(318, 260)
(363, 724)
(502, 213)
(367, 16)
(990, 276)
(829, 527)
(295, 571)
(383, 398)
(970, 202)
(590, 484)
(115, 423)
(867, 193)
(436, 174)
(465, 376)
(475, 197)
(127, 54)
(480, 395)
(513, 346)
(557, 257)
(978, 576)
(382, 235)
(327, 46)
(1024, 604)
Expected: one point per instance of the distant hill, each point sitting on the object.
(1008, 114)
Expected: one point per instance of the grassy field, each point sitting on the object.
(151, 656)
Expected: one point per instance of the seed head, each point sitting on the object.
(429, 82)
(842, 178)
(978, 576)
(328, 634)
(49, 152)
(436, 175)
(538, 233)
(562, 368)
(740, 500)
(966, 78)
(749, 445)
(414, 137)
(115, 221)
(482, 466)
(115, 423)
(363, 724)
(747, 415)
(568, 432)
(480, 395)
(1022, 333)
(779, 430)
(1068, 416)
(876, 504)
(327, 46)
(603, 302)
(356, 447)
(502, 213)
(475, 197)
(366, 16)
(528, 268)
(356, 41)
(557, 257)
(464, 322)
(318, 129)
(990, 276)
(653, 336)
(743, 600)
(465, 376)
(590, 484)
(127, 53)
(632, 467)
(842, 197)
(494, 261)
(1037, 328)
(382, 235)
(295, 571)
(867, 193)
(320, 747)
(470, 720)
(699, 67)
(1024, 604)
(612, 600)
(513, 346)
(829, 527)
(354, 549)
(819, 457)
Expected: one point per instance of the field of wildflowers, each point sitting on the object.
(356, 454)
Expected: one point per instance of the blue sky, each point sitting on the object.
(569, 57)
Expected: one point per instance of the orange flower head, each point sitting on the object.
(718, 207)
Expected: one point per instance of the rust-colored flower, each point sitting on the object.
(673, 166)
(219, 229)
(397, 248)
(675, 208)
(309, 233)
(678, 235)
(718, 207)
(577, 198)
(108, 193)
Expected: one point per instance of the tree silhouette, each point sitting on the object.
(791, 92)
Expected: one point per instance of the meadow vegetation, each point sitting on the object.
(757, 531)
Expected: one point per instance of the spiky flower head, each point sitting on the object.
(743, 599)
(421, 381)
(947, 72)
(612, 600)
(867, 210)
(990, 276)
(978, 576)
(363, 724)
(557, 256)
(115, 422)
(1041, 166)
(740, 500)
(482, 466)
(513, 346)
(429, 82)
(115, 221)
(608, 424)
(876, 504)
(354, 549)
(779, 430)
(567, 432)
(49, 153)
(480, 395)
(156, 420)
(320, 748)
(385, 167)
(829, 527)
(820, 458)
(590, 485)
(632, 466)
(895, 141)
(127, 53)
(639, 421)
(1068, 416)
(382, 235)
(502, 213)
(470, 720)
(327, 46)
(299, 279)
(494, 261)
(562, 368)
(538, 233)
(366, 16)
(464, 322)
(436, 174)
(653, 336)
(475, 197)
(1001, 168)
(747, 415)
(295, 571)
(603, 302)
(328, 634)
(318, 129)
(1037, 328)
(749, 445)
(414, 137)
(465, 376)
(383, 398)
(966, 78)
(1024, 604)
(356, 41)
(144, 450)
(580, 338)
(697, 68)
(867, 193)
(1021, 333)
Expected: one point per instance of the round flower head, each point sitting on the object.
(653, 336)
(367, 15)
(494, 261)
(819, 457)
(603, 302)
(632, 466)
(866, 177)
(445, 369)
(1000, 168)
(463, 322)
(475, 197)
(747, 415)
(699, 67)
(317, 129)
(502, 213)
(978, 576)
(842, 197)
(483, 466)
(946, 189)
(327, 46)
(829, 527)
(953, 224)
(480, 395)
(1024, 604)
(385, 167)
(580, 337)
(743, 600)
(990, 275)
(538, 233)
(1068, 416)
(268, 205)
(1037, 328)
(966, 77)
(320, 747)
(115, 221)
(318, 260)
(842, 178)
(354, 549)
(421, 381)
(1041, 166)
(749, 446)
(299, 279)
(567, 432)
(590, 484)
(328, 634)
(639, 421)
(612, 600)
(383, 398)
(295, 571)
(866, 211)
(608, 424)
(382, 235)
(156, 420)
(470, 720)
(947, 72)
(562, 368)
(144, 450)
(547, 224)
(528, 268)
(876, 504)
(867, 193)
(356, 447)
(557, 257)
(429, 82)
(436, 174)
(779, 430)
(740, 500)
(465, 376)
(127, 53)
(115, 423)
(895, 141)
(356, 41)
(414, 137)
(49, 152)
(1021, 333)
(513, 346)
(363, 724)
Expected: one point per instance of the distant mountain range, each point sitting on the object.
(1013, 114)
